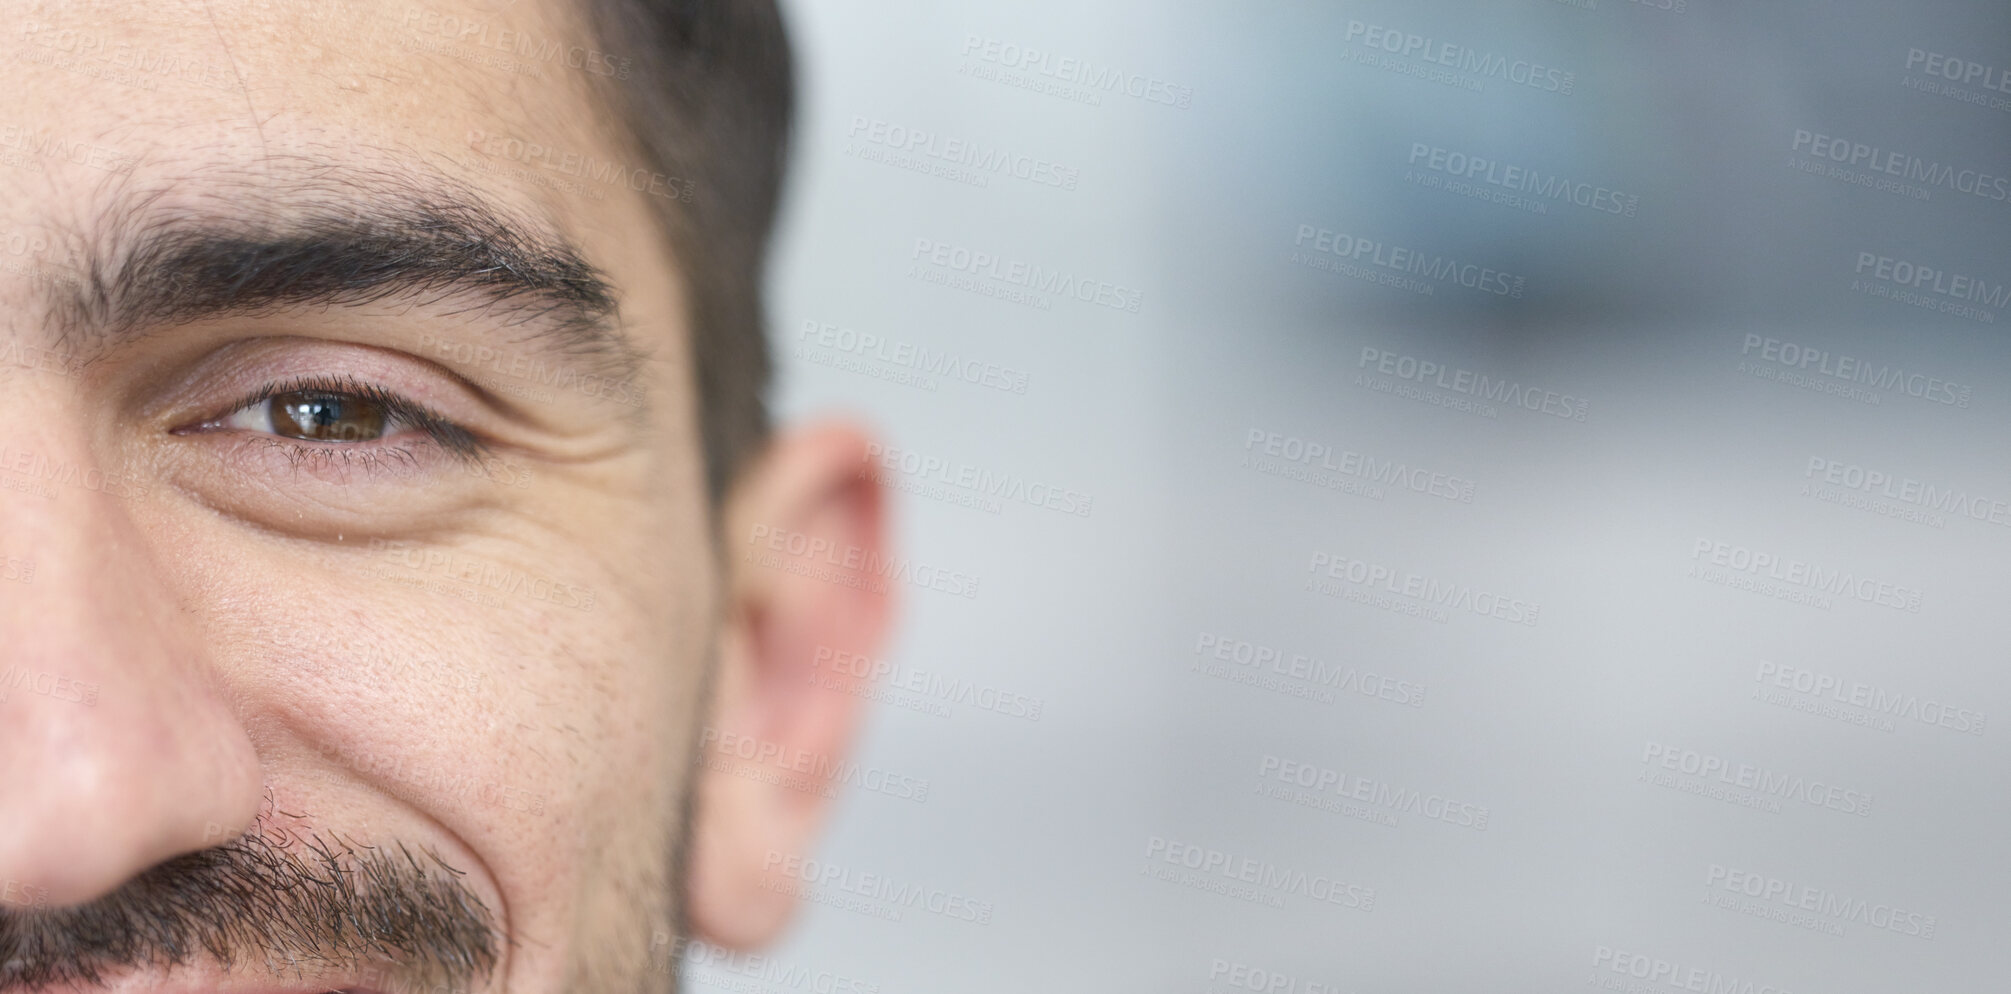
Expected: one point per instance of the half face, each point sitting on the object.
(362, 610)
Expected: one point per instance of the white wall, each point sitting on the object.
(1689, 436)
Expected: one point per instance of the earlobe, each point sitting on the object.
(805, 537)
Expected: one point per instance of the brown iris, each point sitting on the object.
(327, 417)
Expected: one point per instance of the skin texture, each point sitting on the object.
(501, 662)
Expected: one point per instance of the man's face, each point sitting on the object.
(360, 586)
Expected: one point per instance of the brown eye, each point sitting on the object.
(326, 417)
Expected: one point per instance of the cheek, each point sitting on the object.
(614, 707)
(545, 726)
(594, 710)
(521, 710)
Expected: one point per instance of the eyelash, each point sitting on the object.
(436, 428)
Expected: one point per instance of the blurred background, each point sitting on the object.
(1438, 496)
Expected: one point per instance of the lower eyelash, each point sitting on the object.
(373, 459)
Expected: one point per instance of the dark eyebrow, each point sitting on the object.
(334, 241)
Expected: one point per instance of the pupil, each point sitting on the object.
(327, 417)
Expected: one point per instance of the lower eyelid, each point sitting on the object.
(332, 462)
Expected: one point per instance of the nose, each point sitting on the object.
(117, 750)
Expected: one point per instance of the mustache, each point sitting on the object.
(289, 902)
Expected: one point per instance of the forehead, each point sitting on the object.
(470, 88)
(122, 111)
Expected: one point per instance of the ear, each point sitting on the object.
(807, 604)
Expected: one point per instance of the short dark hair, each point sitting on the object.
(709, 99)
